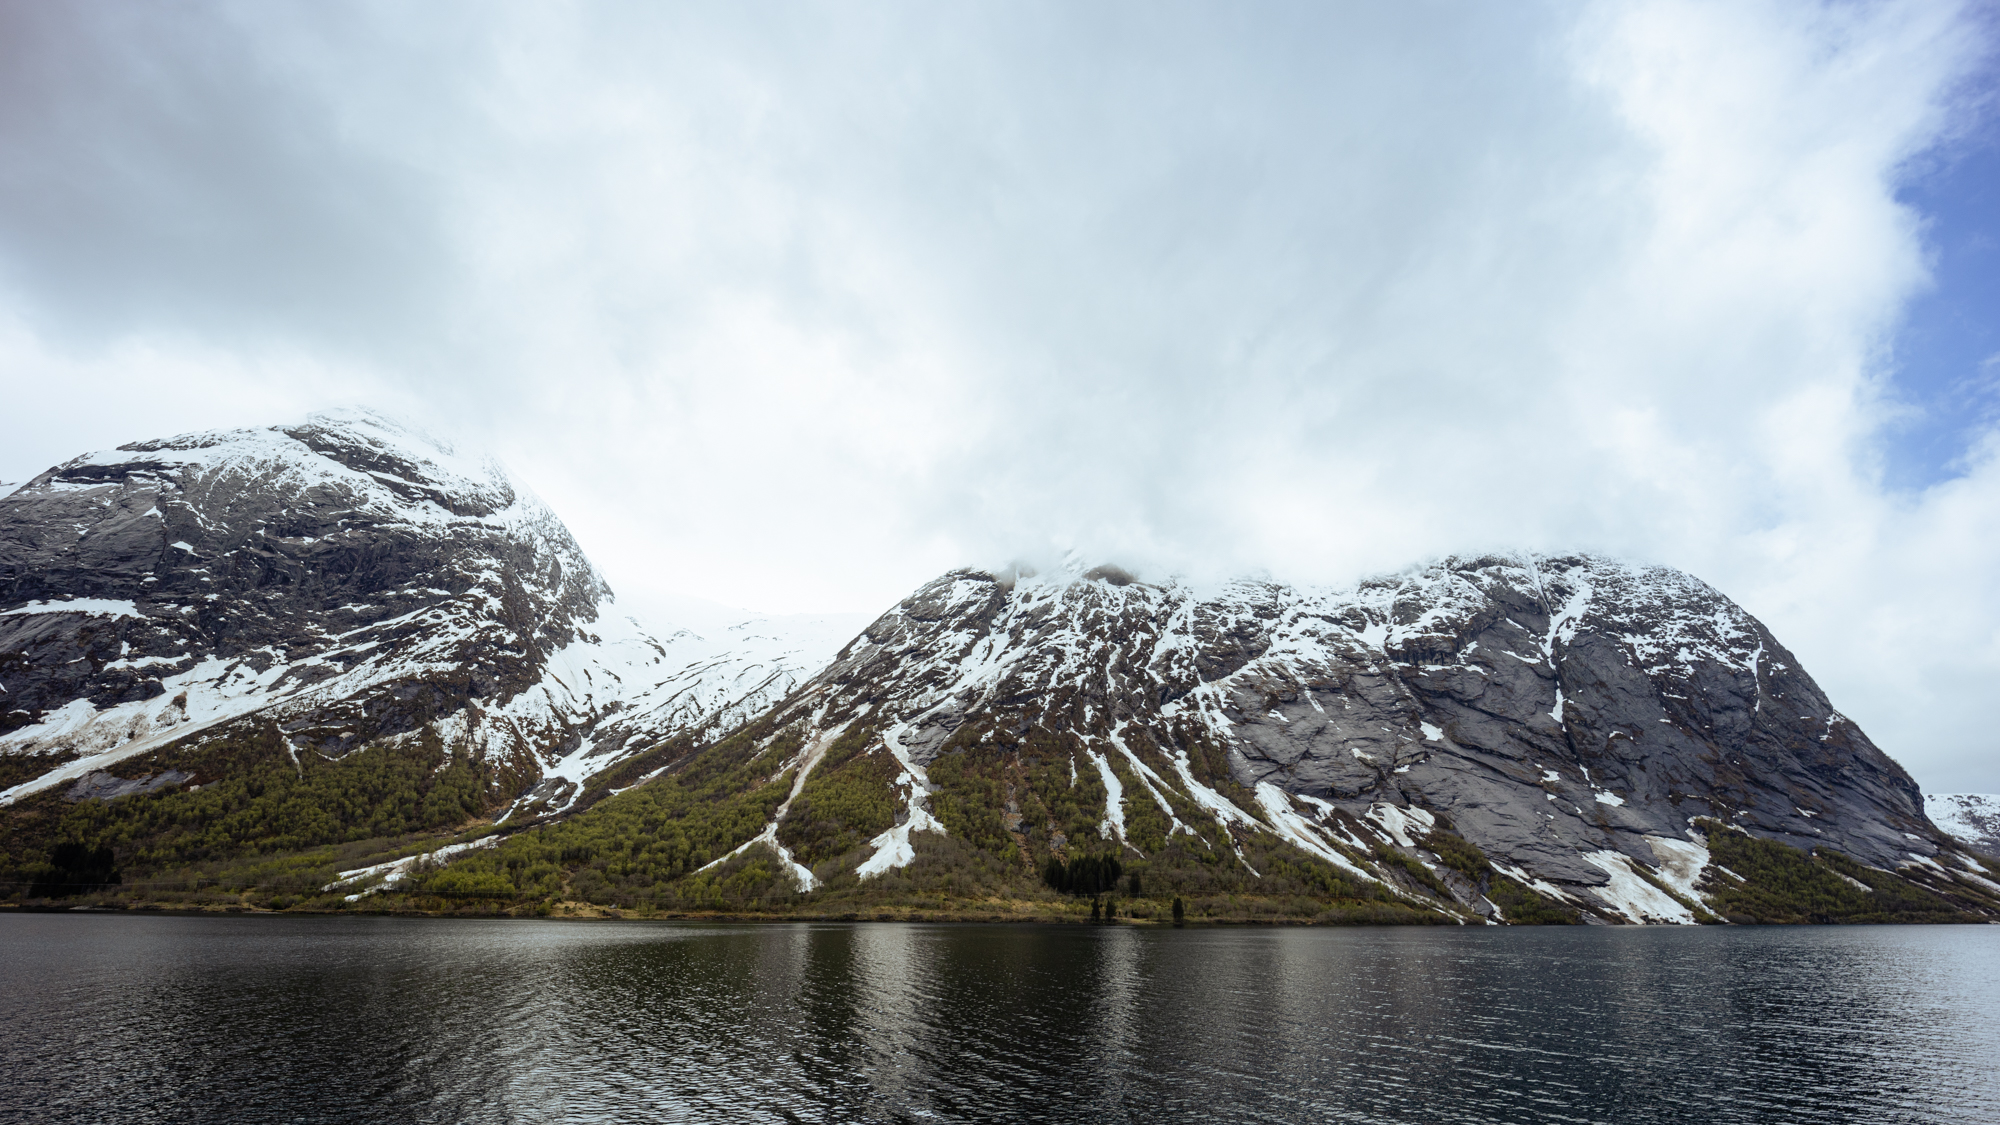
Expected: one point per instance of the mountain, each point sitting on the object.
(1508, 737)
(342, 663)
(1972, 818)
(171, 610)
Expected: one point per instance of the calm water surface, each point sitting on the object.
(255, 1019)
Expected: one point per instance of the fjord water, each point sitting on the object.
(252, 1019)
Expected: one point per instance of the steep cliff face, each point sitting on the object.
(1572, 716)
(349, 580)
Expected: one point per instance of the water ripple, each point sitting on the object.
(163, 1019)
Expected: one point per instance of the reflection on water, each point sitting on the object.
(165, 1019)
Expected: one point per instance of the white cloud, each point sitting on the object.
(796, 306)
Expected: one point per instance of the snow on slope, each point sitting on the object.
(655, 687)
(324, 575)
(649, 687)
(1972, 817)
(1565, 710)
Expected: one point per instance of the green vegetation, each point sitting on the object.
(251, 798)
(1412, 868)
(1023, 812)
(1023, 797)
(634, 849)
(263, 826)
(1523, 907)
(1780, 883)
(847, 800)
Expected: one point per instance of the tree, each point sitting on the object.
(1086, 875)
(1096, 908)
(75, 869)
(1180, 912)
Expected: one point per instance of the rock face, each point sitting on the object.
(1973, 818)
(350, 580)
(349, 583)
(1571, 715)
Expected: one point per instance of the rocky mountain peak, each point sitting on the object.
(312, 609)
(350, 579)
(1573, 715)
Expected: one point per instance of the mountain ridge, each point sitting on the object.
(349, 578)
(1222, 708)
(359, 646)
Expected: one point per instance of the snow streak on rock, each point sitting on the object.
(1561, 710)
(349, 580)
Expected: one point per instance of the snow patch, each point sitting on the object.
(394, 871)
(1113, 826)
(892, 847)
(1681, 863)
(1296, 829)
(92, 607)
(1628, 894)
(1403, 824)
(1973, 818)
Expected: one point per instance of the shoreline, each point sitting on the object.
(931, 917)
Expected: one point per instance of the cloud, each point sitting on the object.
(161, 173)
(795, 306)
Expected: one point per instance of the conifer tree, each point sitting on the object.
(1180, 912)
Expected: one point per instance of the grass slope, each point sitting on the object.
(665, 835)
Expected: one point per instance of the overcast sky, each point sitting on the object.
(794, 306)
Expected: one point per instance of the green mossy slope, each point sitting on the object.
(1754, 880)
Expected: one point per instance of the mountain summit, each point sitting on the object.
(346, 582)
(329, 649)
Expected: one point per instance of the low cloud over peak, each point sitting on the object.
(798, 307)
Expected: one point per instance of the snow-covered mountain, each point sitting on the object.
(1558, 733)
(1971, 817)
(1573, 716)
(350, 580)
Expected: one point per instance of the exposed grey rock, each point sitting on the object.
(101, 786)
(1559, 709)
(352, 581)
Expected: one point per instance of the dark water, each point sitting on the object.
(157, 1019)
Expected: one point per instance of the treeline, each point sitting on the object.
(248, 798)
(667, 846)
(74, 869)
(1780, 883)
(670, 845)
(1085, 875)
